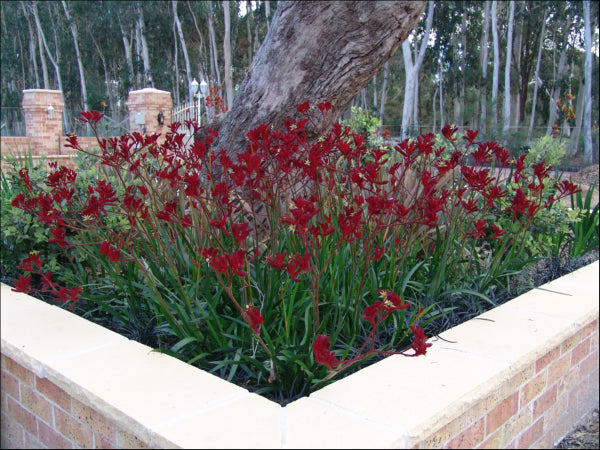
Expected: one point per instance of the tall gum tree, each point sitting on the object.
(315, 51)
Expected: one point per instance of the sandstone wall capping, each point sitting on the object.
(519, 376)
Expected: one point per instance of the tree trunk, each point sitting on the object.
(32, 48)
(186, 59)
(249, 17)
(214, 62)
(509, 36)
(496, 65)
(227, 55)
(537, 76)
(433, 108)
(41, 49)
(559, 74)
(484, 64)
(516, 59)
(411, 70)
(54, 60)
(587, 114)
(73, 27)
(574, 142)
(145, 53)
(442, 121)
(315, 51)
(386, 70)
(176, 63)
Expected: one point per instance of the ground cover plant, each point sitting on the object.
(298, 261)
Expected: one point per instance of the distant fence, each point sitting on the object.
(12, 122)
(185, 111)
(116, 125)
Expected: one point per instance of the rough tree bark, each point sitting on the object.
(315, 51)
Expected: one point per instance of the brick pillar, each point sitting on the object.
(43, 130)
(144, 107)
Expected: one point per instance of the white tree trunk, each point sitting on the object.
(537, 77)
(484, 64)
(214, 62)
(509, 38)
(386, 69)
(411, 70)
(227, 55)
(32, 48)
(53, 60)
(587, 114)
(434, 108)
(496, 72)
(41, 49)
(145, 54)
(442, 122)
(73, 27)
(186, 59)
(574, 142)
(562, 63)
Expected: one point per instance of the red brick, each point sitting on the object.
(469, 438)
(549, 357)
(590, 328)
(532, 434)
(100, 442)
(588, 364)
(53, 393)
(22, 416)
(96, 421)
(570, 343)
(20, 372)
(36, 403)
(545, 401)
(567, 382)
(533, 388)
(73, 430)
(580, 352)
(12, 433)
(558, 368)
(10, 385)
(32, 441)
(501, 413)
(51, 438)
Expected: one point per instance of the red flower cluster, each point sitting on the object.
(32, 264)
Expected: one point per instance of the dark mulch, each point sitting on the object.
(585, 435)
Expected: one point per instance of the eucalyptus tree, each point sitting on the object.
(509, 41)
(227, 54)
(188, 70)
(411, 69)
(587, 119)
(496, 68)
(318, 52)
(537, 75)
(75, 35)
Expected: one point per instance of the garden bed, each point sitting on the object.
(520, 375)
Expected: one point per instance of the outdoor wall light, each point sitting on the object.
(50, 110)
(203, 85)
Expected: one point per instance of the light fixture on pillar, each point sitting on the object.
(50, 110)
(198, 95)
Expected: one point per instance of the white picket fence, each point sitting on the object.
(185, 111)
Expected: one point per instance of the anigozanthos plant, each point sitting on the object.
(297, 260)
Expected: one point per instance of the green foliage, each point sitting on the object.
(548, 149)
(585, 229)
(366, 126)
